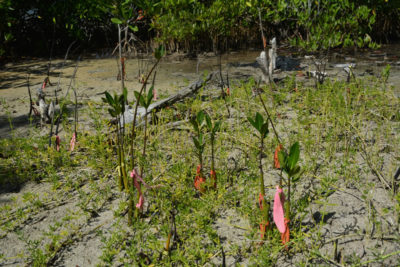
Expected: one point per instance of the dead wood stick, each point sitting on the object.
(222, 85)
(72, 78)
(62, 66)
(31, 108)
(264, 40)
(182, 94)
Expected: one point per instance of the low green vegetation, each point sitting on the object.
(343, 135)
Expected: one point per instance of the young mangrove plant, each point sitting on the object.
(116, 110)
(262, 127)
(213, 128)
(288, 164)
(144, 102)
(199, 142)
(158, 54)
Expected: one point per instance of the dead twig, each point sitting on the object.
(62, 66)
(264, 40)
(269, 118)
(70, 84)
(222, 85)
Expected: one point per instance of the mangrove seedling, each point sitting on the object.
(198, 140)
(262, 127)
(288, 164)
(144, 102)
(158, 54)
(116, 110)
(213, 128)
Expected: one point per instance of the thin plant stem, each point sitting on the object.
(222, 86)
(66, 94)
(144, 144)
(122, 156)
(270, 120)
(30, 96)
(62, 66)
(76, 115)
(133, 134)
(287, 202)
(119, 159)
(120, 59)
(262, 189)
(213, 172)
(265, 205)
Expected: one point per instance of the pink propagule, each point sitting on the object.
(58, 141)
(135, 178)
(155, 96)
(278, 212)
(72, 142)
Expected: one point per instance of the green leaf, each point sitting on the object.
(139, 98)
(137, 95)
(264, 130)
(110, 100)
(208, 121)
(196, 143)
(201, 138)
(117, 106)
(160, 52)
(297, 175)
(116, 21)
(217, 126)
(142, 102)
(122, 103)
(134, 28)
(259, 121)
(149, 96)
(252, 123)
(195, 124)
(125, 93)
(112, 112)
(200, 117)
(294, 155)
(282, 159)
(294, 171)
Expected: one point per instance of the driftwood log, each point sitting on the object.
(188, 91)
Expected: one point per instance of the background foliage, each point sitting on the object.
(30, 26)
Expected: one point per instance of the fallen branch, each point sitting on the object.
(182, 94)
